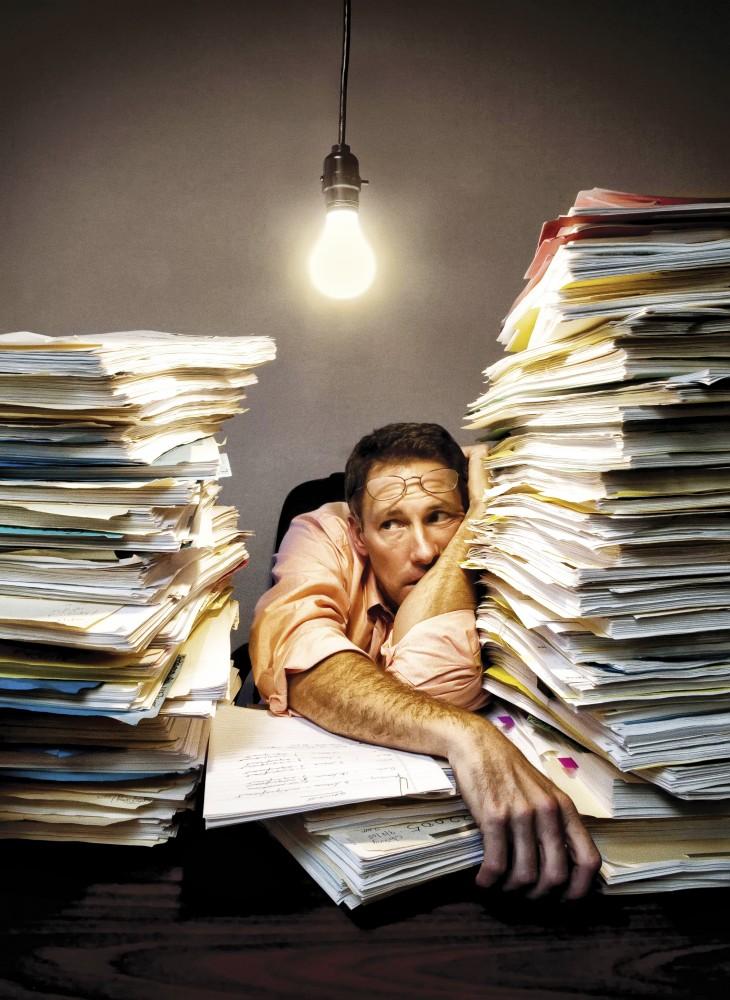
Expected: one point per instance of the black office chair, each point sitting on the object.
(305, 497)
(309, 496)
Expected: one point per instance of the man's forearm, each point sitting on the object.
(446, 587)
(349, 695)
(532, 833)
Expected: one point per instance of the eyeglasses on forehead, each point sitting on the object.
(435, 481)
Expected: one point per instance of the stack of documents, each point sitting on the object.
(362, 858)
(366, 822)
(115, 576)
(605, 547)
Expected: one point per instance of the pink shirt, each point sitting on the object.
(326, 600)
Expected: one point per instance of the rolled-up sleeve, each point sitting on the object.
(441, 657)
(303, 618)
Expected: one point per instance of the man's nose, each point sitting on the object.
(424, 549)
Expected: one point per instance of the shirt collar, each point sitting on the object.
(374, 601)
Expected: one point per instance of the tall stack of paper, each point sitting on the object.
(606, 540)
(115, 570)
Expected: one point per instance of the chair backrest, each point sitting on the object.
(305, 497)
(309, 496)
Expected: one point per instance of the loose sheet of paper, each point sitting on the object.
(263, 765)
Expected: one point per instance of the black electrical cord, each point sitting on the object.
(341, 180)
(346, 14)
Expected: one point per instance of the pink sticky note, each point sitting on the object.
(506, 720)
(568, 763)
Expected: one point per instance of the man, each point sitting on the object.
(369, 632)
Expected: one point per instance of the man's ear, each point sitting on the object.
(354, 526)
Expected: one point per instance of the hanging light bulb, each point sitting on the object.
(342, 263)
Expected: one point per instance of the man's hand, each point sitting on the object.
(478, 477)
(533, 836)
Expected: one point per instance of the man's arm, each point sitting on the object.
(447, 587)
(532, 832)
(302, 618)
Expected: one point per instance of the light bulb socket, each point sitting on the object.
(341, 180)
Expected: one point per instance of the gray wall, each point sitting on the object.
(160, 169)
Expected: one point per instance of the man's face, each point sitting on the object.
(403, 538)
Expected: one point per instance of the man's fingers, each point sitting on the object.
(478, 478)
(525, 859)
(584, 854)
(495, 852)
(554, 862)
(533, 835)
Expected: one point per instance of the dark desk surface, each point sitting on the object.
(229, 913)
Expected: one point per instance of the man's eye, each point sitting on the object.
(390, 525)
(442, 516)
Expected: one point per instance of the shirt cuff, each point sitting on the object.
(440, 656)
(310, 647)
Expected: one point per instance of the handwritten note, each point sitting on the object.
(260, 765)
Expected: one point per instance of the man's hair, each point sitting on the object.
(396, 442)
